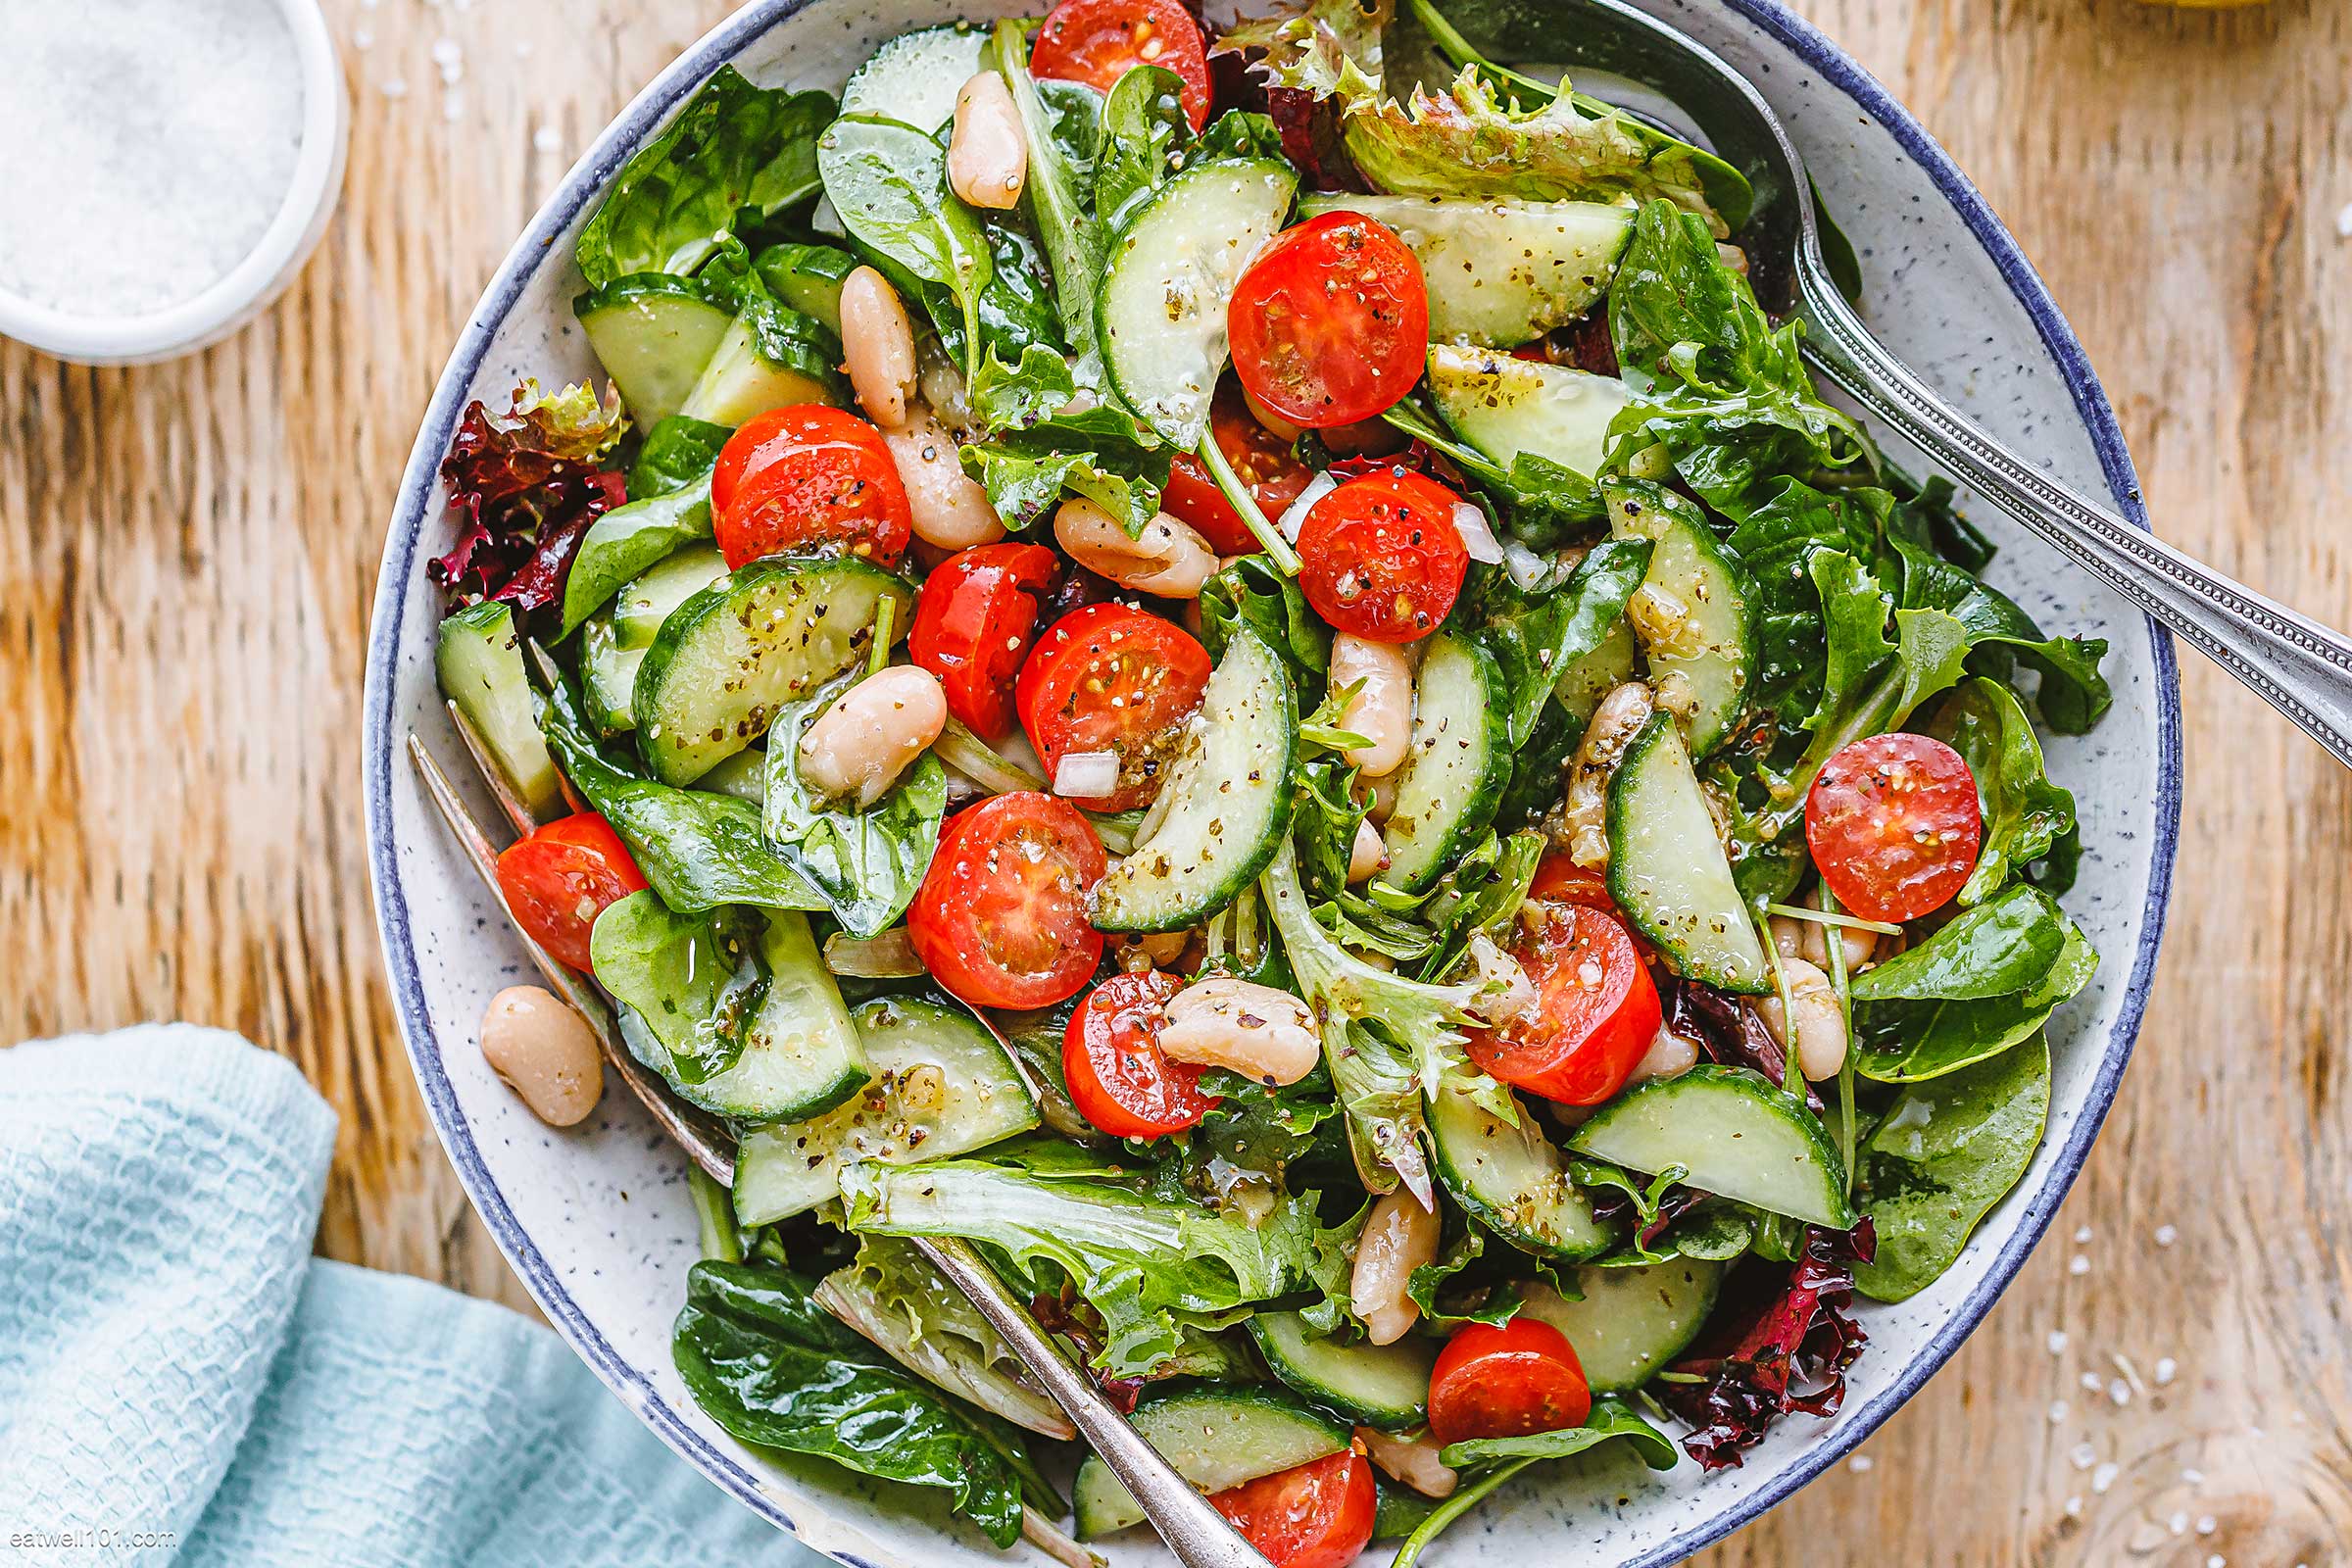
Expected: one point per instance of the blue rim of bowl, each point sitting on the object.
(419, 487)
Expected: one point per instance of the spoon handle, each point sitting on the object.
(2298, 666)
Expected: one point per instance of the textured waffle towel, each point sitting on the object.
(180, 1381)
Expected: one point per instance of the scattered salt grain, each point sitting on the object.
(2207, 1525)
(2104, 1477)
(363, 37)
(2080, 1266)
(2178, 1524)
(2083, 1236)
(2217, 1560)
(2166, 1235)
(2074, 1507)
(1860, 1464)
(2057, 1411)
(2167, 1369)
(2083, 1456)
(546, 141)
(2094, 1383)
(2344, 223)
(393, 87)
(2057, 1341)
(2120, 1392)
(2192, 1478)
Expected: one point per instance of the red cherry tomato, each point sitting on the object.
(1506, 1381)
(1560, 880)
(1098, 42)
(1119, 1078)
(1329, 325)
(561, 876)
(1315, 1515)
(1596, 1008)
(1263, 461)
(1381, 557)
(804, 477)
(973, 626)
(1894, 824)
(1000, 917)
(1112, 678)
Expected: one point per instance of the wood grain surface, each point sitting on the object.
(186, 554)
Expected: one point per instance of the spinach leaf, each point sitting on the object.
(1011, 396)
(1947, 1151)
(626, 542)
(889, 183)
(2072, 694)
(733, 148)
(1775, 542)
(867, 861)
(2027, 817)
(693, 980)
(1984, 983)
(1537, 769)
(1536, 632)
(1238, 133)
(1062, 123)
(773, 1368)
(1144, 124)
(677, 451)
(1099, 453)
(1249, 592)
(1610, 1418)
(1481, 894)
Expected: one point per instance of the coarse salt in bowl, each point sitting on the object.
(167, 166)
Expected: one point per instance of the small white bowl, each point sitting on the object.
(248, 287)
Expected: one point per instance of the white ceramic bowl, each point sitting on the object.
(247, 288)
(597, 1221)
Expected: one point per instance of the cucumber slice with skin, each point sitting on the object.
(1216, 1437)
(1691, 611)
(1583, 683)
(1455, 767)
(1667, 869)
(770, 357)
(609, 677)
(1735, 1133)
(1505, 407)
(1511, 1179)
(800, 1056)
(808, 279)
(729, 657)
(1160, 313)
(478, 662)
(1632, 1322)
(1384, 1385)
(644, 605)
(1503, 272)
(653, 333)
(1227, 800)
(914, 79)
(942, 1086)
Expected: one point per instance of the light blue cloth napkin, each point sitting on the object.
(177, 1372)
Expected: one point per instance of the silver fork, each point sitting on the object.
(1198, 1534)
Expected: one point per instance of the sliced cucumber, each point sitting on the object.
(1384, 1385)
(1734, 1132)
(772, 356)
(1583, 682)
(609, 677)
(628, 541)
(808, 279)
(801, 1053)
(1226, 803)
(1456, 766)
(1667, 869)
(1691, 611)
(1632, 1321)
(1511, 1179)
(1216, 1437)
(1502, 272)
(653, 332)
(644, 605)
(1504, 405)
(478, 662)
(729, 657)
(1160, 312)
(942, 1086)
(914, 77)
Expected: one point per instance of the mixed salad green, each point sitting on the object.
(1246, 673)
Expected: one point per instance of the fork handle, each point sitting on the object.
(2294, 664)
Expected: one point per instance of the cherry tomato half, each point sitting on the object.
(1329, 325)
(1000, 917)
(804, 477)
(1263, 461)
(1112, 678)
(1894, 824)
(1381, 557)
(561, 876)
(973, 626)
(1119, 1078)
(1315, 1515)
(1098, 42)
(1506, 1381)
(1596, 1008)
(1560, 880)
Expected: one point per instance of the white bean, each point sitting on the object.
(1617, 720)
(1669, 1055)
(1368, 855)
(1414, 1460)
(947, 507)
(1242, 1027)
(545, 1052)
(877, 343)
(988, 158)
(1820, 1022)
(1399, 1237)
(861, 744)
(1382, 710)
(1169, 559)
(1379, 796)
(1809, 939)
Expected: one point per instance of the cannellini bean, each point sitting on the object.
(1169, 559)
(1399, 1237)
(947, 507)
(988, 158)
(1244, 1027)
(1154, 950)
(545, 1052)
(1382, 710)
(1812, 939)
(877, 343)
(1379, 796)
(861, 744)
(1368, 855)
(1820, 1022)
(1615, 722)
(1669, 1055)
(1412, 1461)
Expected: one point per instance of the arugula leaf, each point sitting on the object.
(1536, 632)
(868, 862)
(1610, 1418)
(693, 980)
(773, 1368)
(1984, 983)
(889, 183)
(2027, 817)
(733, 148)
(1099, 453)
(1144, 124)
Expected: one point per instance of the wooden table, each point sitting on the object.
(189, 552)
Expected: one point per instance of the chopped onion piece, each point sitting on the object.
(1505, 992)
(1477, 536)
(1088, 775)
(1295, 519)
(1523, 566)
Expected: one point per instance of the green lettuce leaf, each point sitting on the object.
(1099, 453)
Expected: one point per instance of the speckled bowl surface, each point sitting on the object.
(597, 1221)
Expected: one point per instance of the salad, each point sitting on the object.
(1245, 672)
